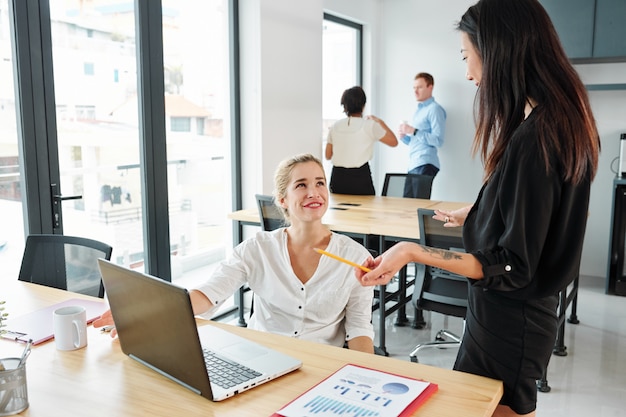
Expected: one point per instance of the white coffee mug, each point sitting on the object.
(70, 327)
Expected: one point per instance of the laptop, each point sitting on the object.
(156, 327)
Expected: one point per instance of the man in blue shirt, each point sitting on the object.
(425, 134)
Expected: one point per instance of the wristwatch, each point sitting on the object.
(415, 132)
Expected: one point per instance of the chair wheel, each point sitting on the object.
(542, 386)
(439, 338)
(380, 351)
(413, 359)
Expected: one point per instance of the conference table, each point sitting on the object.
(99, 380)
(365, 215)
(374, 220)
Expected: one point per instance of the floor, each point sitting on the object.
(589, 381)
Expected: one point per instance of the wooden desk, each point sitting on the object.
(100, 380)
(365, 215)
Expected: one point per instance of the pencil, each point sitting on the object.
(340, 259)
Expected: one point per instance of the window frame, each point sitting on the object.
(37, 130)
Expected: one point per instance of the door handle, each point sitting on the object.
(56, 205)
(71, 197)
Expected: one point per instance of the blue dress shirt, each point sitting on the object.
(430, 121)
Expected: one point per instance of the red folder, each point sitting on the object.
(408, 410)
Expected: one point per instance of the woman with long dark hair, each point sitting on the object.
(524, 234)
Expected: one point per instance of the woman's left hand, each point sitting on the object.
(452, 218)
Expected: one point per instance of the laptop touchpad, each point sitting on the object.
(244, 351)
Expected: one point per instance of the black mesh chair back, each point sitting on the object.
(408, 185)
(272, 218)
(436, 289)
(64, 262)
(271, 215)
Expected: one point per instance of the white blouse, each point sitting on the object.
(330, 308)
(353, 140)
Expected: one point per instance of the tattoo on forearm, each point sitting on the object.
(446, 255)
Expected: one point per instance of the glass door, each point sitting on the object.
(95, 85)
(197, 123)
(11, 214)
(79, 127)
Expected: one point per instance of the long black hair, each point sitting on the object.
(523, 61)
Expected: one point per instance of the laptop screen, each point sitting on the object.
(155, 324)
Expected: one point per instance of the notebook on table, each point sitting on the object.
(37, 325)
(156, 326)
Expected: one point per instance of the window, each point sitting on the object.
(180, 124)
(88, 68)
(196, 77)
(342, 67)
(97, 125)
(11, 194)
(93, 151)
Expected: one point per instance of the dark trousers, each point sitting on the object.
(355, 181)
(411, 185)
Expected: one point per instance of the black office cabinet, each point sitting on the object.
(590, 30)
(610, 30)
(574, 22)
(616, 279)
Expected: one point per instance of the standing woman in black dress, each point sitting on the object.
(524, 234)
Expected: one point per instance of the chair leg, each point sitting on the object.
(573, 318)
(559, 346)
(381, 349)
(542, 384)
(242, 320)
(401, 319)
(440, 344)
(439, 341)
(418, 319)
(448, 334)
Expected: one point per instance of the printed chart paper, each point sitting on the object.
(354, 391)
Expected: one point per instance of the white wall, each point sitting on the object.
(281, 87)
(609, 108)
(419, 36)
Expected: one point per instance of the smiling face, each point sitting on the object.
(472, 59)
(306, 196)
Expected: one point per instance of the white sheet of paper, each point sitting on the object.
(355, 391)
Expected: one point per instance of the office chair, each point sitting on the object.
(408, 185)
(435, 289)
(271, 218)
(64, 262)
(395, 184)
(270, 214)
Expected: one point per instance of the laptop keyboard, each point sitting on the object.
(226, 373)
